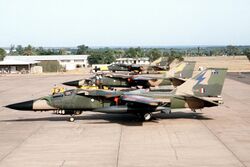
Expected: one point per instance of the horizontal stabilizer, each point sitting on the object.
(195, 102)
(177, 81)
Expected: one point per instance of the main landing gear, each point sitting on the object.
(145, 116)
(194, 116)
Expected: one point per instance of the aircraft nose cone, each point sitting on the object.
(72, 83)
(27, 105)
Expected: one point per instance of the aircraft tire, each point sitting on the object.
(71, 119)
(147, 116)
(78, 112)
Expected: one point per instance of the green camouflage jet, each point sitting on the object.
(176, 76)
(161, 66)
(121, 67)
(203, 90)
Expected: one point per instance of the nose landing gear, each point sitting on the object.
(71, 119)
(73, 113)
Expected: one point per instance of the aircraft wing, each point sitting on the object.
(140, 100)
(99, 93)
(146, 78)
(125, 109)
(134, 103)
(143, 78)
(118, 76)
(123, 65)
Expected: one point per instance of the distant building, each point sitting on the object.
(17, 66)
(142, 61)
(69, 62)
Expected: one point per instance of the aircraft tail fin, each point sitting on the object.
(208, 83)
(183, 70)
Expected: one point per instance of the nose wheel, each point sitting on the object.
(71, 119)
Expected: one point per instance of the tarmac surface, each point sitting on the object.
(214, 137)
(240, 76)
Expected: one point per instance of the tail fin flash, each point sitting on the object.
(208, 83)
(182, 70)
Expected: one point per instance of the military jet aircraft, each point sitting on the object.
(201, 91)
(176, 76)
(120, 67)
(161, 66)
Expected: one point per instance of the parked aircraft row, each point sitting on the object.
(142, 95)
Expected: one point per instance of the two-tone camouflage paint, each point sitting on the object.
(82, 100)
(184, 96)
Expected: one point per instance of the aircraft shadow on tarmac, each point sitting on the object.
(125, 119)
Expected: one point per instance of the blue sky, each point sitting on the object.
(124, 22)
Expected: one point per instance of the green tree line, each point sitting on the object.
(108, 55)
(2, 53)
